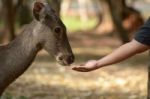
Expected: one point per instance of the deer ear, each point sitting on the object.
(38, 6)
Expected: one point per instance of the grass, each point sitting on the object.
(74, 23)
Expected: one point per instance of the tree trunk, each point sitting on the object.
(66, 7)
(132, 19)
(9, 17)
(116, 10)
(56, 5)
(99, 13)
(24, 13)
(83, 10)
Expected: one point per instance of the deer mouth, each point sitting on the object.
(65, 60)
(63, 63)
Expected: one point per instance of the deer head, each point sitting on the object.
(52, 33)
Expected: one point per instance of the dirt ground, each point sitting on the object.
(46, 80)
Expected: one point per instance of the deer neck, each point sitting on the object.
(17, 56)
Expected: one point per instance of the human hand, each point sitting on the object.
(87, 67)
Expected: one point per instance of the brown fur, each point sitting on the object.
(47, 32)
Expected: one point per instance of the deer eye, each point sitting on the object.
(57, 30)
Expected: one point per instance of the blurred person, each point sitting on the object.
(139, 44)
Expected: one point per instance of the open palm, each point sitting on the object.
(87, 67)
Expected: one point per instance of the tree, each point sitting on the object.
(132, 18)
(9, 17)
(126, 20)
(10, 9)
(56, 5)
(116, 9)
(23, 12)
(99, 13)
(83, 10)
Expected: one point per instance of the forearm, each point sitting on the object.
(122, 53)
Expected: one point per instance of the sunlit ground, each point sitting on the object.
(46, 80)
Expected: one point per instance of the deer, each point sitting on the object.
(46, 31)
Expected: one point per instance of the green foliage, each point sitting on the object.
(74, 24)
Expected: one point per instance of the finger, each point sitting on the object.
(80, 69)
(82, 64)
(77, 67)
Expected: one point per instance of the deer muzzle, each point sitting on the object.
(65, 60)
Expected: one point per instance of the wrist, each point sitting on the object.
(99, 64)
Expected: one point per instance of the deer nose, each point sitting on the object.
(70, 59)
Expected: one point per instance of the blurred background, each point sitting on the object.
(95, 29)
